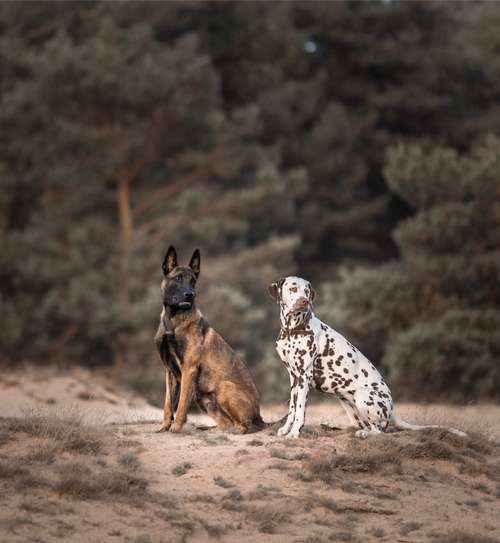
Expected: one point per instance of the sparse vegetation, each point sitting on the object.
(387, 454)
(462, 537)
(263, 492)
(408, 527)
(113, 475)
(130, 461)
(268, 518)
(301, 475)
(377, 532)
(284, 455)
(232, 501)
(68, 430)
(181, 469)
(80, 481)
(281, 466)
(255, 443)
(5, 437)
(342, 536)
(220, 481)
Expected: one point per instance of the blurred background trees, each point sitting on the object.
(346, 142)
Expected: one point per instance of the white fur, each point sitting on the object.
(322, 358)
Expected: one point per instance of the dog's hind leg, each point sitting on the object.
(349, 411)
(213, 410)
(236, 405)
(375, 409)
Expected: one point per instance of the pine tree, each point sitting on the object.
(436, 311)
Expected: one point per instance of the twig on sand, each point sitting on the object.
(361, 508)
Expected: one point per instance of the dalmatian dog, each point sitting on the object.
(317, 356)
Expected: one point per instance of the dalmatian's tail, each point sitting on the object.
(401, 424)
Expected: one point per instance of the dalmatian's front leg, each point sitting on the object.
(291, 407)
(303, 384)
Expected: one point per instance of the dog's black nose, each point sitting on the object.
(189, 296)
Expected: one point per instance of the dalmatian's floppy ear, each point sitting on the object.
(273, 291)
(313, 294)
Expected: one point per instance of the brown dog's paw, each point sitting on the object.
(176, 427)
(164, 428)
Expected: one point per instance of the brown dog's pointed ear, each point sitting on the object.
(194, 263)
(170, 261)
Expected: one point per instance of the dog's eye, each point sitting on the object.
(293, 289)
(193, 282)
(179, 278)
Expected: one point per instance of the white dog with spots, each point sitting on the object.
(317, 356)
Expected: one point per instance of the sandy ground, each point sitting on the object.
(208, 485)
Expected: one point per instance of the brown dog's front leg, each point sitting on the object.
(188, 379)
(168, 407)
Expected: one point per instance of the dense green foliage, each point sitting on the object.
(279, 138)
(433, 317)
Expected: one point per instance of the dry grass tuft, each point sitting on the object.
(268, 518)
(388, 452)
(276, 453)
(69, 431)
(301, 475)
(202, 498)
(78, 480)
(19, 476)
(5, 437)
(10, 469)
(462, 537)
(41, 505)
(408, 527)
(44, 453)
(233, 501)
(220, 481)
(255, 443)
(263, 492)
(213, 530)
(342, 536)
(13, 524)
(214, 440)
(181, 469)
(377, 532)
(130, 461)
(284, 455)
(281, 466)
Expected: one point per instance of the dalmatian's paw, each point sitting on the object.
(283, 431)
(362, 434)
(293, 434)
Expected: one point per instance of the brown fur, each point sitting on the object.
(201, 366)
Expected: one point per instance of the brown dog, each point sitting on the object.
(199, 364)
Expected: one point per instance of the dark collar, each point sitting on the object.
(299, 330)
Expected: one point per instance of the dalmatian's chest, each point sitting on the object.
(297, 352)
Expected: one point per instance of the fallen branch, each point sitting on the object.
(359, 508)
